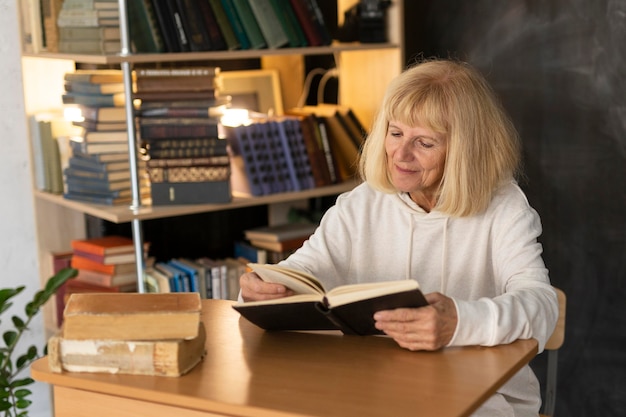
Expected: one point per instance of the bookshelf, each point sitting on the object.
(364, 72)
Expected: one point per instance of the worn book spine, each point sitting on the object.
(208, 94)
(245, 147)
(182, 128)
(218, 144)
(160, 358)
(289, 154)
(290, 23)
(190, 174)
(166, 26)
(310, 29)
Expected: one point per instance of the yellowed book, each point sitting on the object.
(132, 316)
(136, 357)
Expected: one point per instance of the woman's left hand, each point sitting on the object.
(424, 328)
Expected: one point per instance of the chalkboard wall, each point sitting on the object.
(560, 68)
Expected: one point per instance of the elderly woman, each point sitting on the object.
(439, 204)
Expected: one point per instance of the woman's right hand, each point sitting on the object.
(254, 288)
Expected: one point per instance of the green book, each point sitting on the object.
(232, 43)
(250, 25)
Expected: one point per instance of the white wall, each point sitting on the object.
(18, 247)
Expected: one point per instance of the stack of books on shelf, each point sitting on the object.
(98, 170)
(211, 278)
(89, 27)
(138, 334)
(178, 125)
(313, 146)
(272, 244)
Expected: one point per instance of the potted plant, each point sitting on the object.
(13, 387)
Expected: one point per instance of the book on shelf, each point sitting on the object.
(349, 308)
(145, 34)
(303, 164)
(194, 26)
(308, 23)
(80, 146)
(102, 136)
(180, 36)
(216, 275)
(102, 33)
(269, 23)
(94, 100)
(191, 274)
(216, 39)
(250, 24)
(290, 23)
(103, 114)
(94, 125)
(188, 162)
(176, 193)
(281, 245)
(76, 173)
(168, 127)
(79, 262)
(114, 259)
(50, 10)
(189, 174)
(177, 79)
(157, 280)
(281, 232)
(178, 280)
(233, 268)
(95, 76)
(106, 280)
(165, 357)
(90, 46)
(132, 316)
(101, 158)
(94, 88)
(106, 245)
(235, 23)
(245, 250)
(198, 271)
(86, 164)
(223, 25)
(166, 26)
(175, 95)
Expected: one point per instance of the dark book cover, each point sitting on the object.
(249, 23)
(217, 40)
(178, 128)
(214, 192)
(235, 23)
(145, 32)
(166, 25)
(232, 43)
(194, 26)
(356, 318)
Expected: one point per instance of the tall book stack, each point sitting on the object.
(138, 334)
(89, 27)
(98, 170)
(178, 125)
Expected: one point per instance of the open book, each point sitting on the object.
(349, 308)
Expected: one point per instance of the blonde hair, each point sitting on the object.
(453, 99)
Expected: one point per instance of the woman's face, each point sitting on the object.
(416, 159)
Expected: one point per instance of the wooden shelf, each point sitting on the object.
(214, 55)
(123, 213)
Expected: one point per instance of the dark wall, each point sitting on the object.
(560, 68)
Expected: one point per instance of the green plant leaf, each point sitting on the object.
(18, 323)
(22, 403)
(22, 393)
(8, 293)
(9, 337)
(5, 405)
(22, 382)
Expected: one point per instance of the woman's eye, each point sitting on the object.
(395, 134)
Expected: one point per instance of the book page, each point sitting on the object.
(298, 281)
(345, 294)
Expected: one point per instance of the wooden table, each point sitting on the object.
(249, 372)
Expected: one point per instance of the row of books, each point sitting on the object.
(92, 26)
(178, 127)
(315, 146)
(189, 25)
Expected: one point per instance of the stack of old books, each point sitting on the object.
(140, 334)
(178, 123)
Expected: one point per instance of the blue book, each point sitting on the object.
(173, 275)
(288, 166)
(271, 157)
(245, 147)
(189, 271)
(299, 153)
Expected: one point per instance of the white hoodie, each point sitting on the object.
(490, 265)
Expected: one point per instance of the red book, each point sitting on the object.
(114, 259)
(80, 262)
(106, 245)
